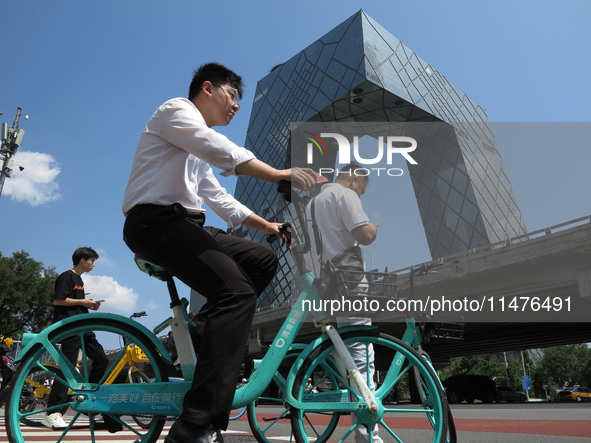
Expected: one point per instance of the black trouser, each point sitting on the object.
(230, 273)
(70, 348)
(6, 372)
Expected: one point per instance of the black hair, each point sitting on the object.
(216, 74)
(83, 253)
(350, 169)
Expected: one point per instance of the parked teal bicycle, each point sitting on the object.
(315, 408)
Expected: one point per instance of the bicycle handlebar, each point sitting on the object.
(285, 229)
(138, 314)
(291, 195)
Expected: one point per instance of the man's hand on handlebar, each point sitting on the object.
(283, 232)
(302, 178)
(279, 230)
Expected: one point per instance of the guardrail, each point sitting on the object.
(473, 251)
(501, 244)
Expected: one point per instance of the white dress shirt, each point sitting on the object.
(172, 164)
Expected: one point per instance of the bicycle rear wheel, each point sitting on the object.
(23, 426)
(402, 422)
(143, 421)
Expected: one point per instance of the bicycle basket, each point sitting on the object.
(440, 331)
(365, 284)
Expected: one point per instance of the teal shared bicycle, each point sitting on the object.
(338, 388)
(325, 375)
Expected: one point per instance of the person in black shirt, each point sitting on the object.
(69, 299)
(5, 371)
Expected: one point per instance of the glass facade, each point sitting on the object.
(359, 72)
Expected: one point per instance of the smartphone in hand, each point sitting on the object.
(320, 180)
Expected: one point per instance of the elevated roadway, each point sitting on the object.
(551, 266)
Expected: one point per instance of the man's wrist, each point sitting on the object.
(282, 174)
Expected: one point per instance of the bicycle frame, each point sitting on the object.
(131, 356)
(284, 338)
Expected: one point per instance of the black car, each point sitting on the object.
(470, 388)
(507, 394)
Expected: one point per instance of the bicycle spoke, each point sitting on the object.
(120, 356)
(311, 426)
(268, 429)
(69, 427)
(391, 431)
(349, 432)
(84, 360)
(283, 415)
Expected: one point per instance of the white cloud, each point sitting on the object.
(118, 299)
(153, 306)
(105, 260)
(36, 184)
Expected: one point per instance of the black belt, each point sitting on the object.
(147, 208)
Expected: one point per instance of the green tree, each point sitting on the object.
(514, 373)
(486, 364)
(26, 289)
(564, 365)
(491, 365)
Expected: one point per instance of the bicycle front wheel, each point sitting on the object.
(393, 369)
(22, 426)
(269, 416)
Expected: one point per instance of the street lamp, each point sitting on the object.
(12, 137)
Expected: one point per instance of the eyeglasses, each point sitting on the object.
(233, 93)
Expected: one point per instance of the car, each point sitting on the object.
(505, 393)
(469, 388)
(576, 393)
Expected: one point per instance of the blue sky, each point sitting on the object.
(90, 74)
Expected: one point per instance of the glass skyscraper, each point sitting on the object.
(359, 72)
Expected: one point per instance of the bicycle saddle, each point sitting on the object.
(150, 267)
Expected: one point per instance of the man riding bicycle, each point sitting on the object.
(170, 182)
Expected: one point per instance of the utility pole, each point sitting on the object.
(11, 139)
(526, 389)
(507, 370)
